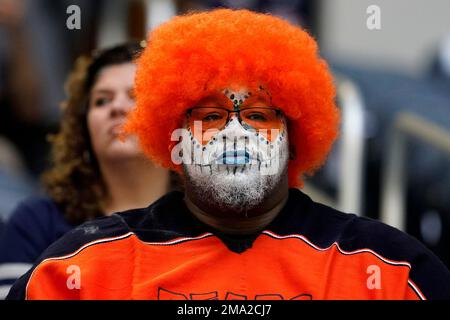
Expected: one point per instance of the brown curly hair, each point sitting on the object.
(74, 181)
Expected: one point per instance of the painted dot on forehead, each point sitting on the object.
(237, 98)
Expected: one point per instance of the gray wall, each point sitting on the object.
(410, 31)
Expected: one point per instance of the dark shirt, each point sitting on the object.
(309, 251)
(32, 227)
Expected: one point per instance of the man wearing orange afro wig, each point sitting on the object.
(242, 106)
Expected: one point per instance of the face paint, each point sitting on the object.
(237, 98)
(238, 166)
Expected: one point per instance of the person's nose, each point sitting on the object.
(234, 132)
(121, 105)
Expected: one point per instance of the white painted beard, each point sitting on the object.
(237, 188)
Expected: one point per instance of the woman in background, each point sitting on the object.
(94, 173)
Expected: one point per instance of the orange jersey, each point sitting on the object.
(309, 251)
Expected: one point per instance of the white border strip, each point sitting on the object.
(176, 241)
(400, 263)
(416, 290)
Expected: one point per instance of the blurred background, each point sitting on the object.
(391, 60)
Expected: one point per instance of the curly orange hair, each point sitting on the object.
(193, 55)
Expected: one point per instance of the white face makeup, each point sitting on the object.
(238, 165)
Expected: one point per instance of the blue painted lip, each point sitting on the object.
(238, 157)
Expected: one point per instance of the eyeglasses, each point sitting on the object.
(259, 118)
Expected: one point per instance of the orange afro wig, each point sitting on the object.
(193, 55)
